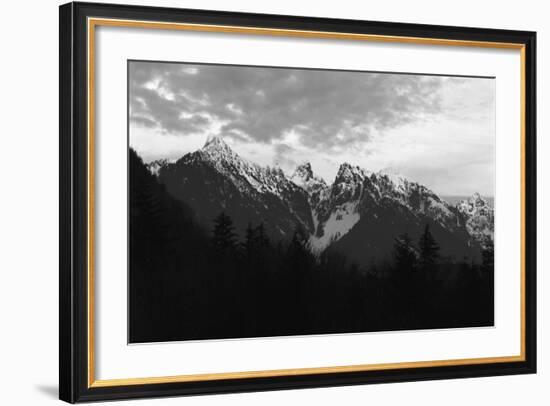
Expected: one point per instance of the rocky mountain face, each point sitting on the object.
(480, 218)
(215, 179)
(359, 214)
(155, 166)
(315, 186)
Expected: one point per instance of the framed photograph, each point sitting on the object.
(255, 202)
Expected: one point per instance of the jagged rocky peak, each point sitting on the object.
(314, 185)
(474, 204)
(345, 170)
(478, 201)
(303, 171)
(348, 177)
(346, 190)
(479, 218)
(350, 173)
(215, 142)
(216, 150)
(156, 165)
(276, 171)
(303, 176)
(393, 176)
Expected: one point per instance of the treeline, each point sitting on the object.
(191, 283)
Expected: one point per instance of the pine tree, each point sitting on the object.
(429, 251)
(224, 238)
(255, 240)
(404, 253)
(249, 237)
(261, 238)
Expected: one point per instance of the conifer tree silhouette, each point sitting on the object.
(249, 237)
(255, 240)
(429, 252)
(261, 238)
(404, 253)
(224, 237)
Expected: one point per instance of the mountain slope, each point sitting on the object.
(215, 179)
(365, 211)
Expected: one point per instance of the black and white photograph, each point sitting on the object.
(272, 201)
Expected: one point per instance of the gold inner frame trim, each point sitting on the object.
(94, 22)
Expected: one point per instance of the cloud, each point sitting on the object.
(322, 109)
(437, 130)
(283, 156)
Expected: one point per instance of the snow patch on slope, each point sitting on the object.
(155, 166)
(341, 220)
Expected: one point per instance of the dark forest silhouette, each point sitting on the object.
(188, 282)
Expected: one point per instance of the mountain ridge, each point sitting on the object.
(215, 178)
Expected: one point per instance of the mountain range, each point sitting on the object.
(359, 215)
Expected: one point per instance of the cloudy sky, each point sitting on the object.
(439, 131)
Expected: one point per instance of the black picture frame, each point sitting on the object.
(74, 384)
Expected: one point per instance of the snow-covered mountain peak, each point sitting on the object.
(477, 201)
(473, 204)
(315, 186)
(214, 139)
(348, 183)
(304, 177)
(344, 169)
(394, 176)
(221, 155)
(479, 217)
(276, 172)
(347, 173)
(214, 142)
(303, 171)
